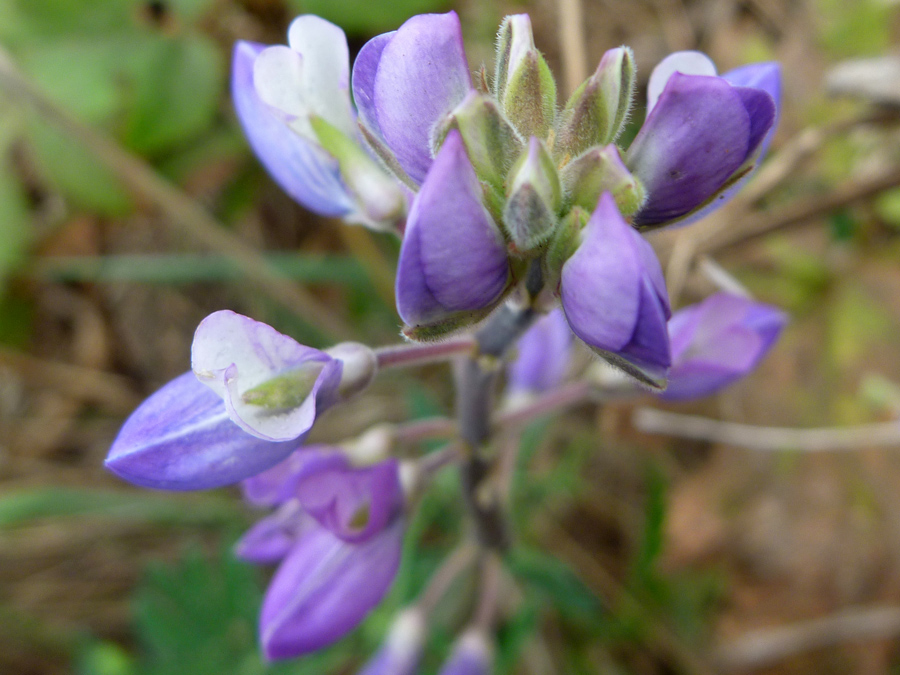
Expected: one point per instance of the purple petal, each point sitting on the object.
(717, 342)
(303, 170)
(402, 649)
(422, 75)
(181, 438)
(278, 484)
(233, 354)
(340, 497)
(543, 355)
(695, 138)
(453, 258)
(610, 293)
(471, 656)
(273, 537)
(686, 63)
(324, 588)
(364, 69)
(763, 76)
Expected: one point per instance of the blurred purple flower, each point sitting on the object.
(702, 135)
(471, 655)
(542, 356)
(339, 531)
(614, 296)
(402, 649)
(717, 342)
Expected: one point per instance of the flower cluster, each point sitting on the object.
(520, 219)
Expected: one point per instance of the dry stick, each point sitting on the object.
(571, 44)
(761, 648)
(611, 591)
(652, 421)
(178, 207)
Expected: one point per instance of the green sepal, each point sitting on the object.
(596, 113)
(565, 241)
(602, 170)
(492, 143)
(286, 391)
(534, 197)
(642, 376)
(523, 82)
(446, 326)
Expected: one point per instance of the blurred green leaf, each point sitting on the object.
(22, 506)
(104, 658)
(15, 224)
(555, 580)
(177, 83)
(363, 17)
(887, 205)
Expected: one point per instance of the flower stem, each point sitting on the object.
(440, 582)
(406, 355)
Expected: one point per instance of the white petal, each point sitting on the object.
(326, 69)
(686, 63)
(278, 78)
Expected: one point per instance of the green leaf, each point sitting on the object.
(15, 225)
(555, 580)
(176, 85)
(364, 17)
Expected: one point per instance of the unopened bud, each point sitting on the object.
(378, 194)
(402, 649)
(359, 367)
(524, 84)
(491, 142)
(602, 170)
(533, 199)
(596, 112)
(472, 655)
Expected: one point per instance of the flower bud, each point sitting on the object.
(472, 655)
(524, 84)
(614, 297)
(533, 199)
(491, 143)
(360, 366)
(596, 112)
(402, 649)
(379, 196)
(601, 170)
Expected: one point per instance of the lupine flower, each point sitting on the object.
(453, 266)
(294, 105)
(471, 655)
(253, 396)
(402, 649)
(717, 342)
(614, 296)
(542, 356)
(702, 135)
(338, 531)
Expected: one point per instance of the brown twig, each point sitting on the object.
(181, 211)
(572, 44)
(765, 647)
(653, 421)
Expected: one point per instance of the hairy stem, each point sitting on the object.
(405, 355)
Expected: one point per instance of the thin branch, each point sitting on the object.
(452, 566)
(652, 421)
(572, 44)
(419, 354)
(178, 207)
(761, 648)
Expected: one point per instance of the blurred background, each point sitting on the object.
(131, 207)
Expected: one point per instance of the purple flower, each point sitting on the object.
(542, 355)
(296, 162)
(703, 133)
(407, 81)
(273, 386)
(717, 342)
(339, 533)
(614, 296)
(402, 650)
(453, 264)
(472, 655)
(181, 438)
